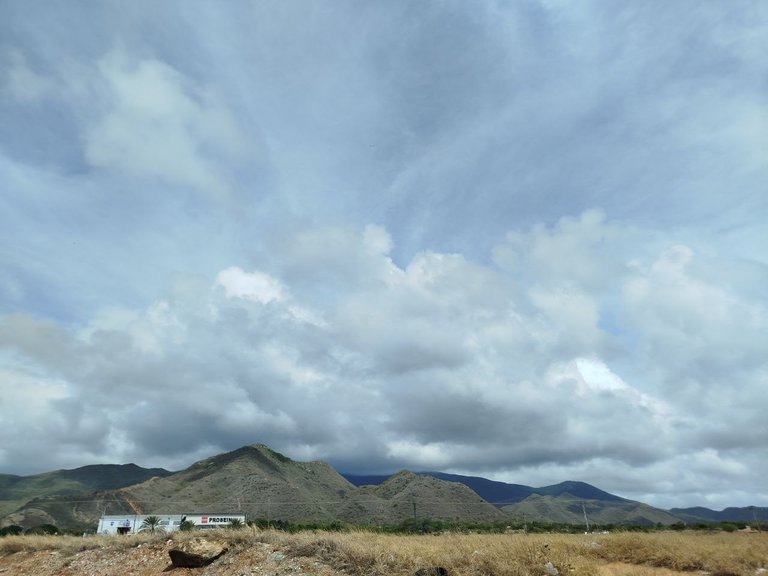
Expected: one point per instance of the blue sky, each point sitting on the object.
(523, 240)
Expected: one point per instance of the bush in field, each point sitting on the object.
(49, 529)
(677, 526)
(186, 526)
(12, 530)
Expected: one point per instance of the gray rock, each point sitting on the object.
(196, 553)
(276, 557)
(550, 569)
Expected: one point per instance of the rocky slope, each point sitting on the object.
(407, 495)
(253, 479)
(569, 509)
(264, 484)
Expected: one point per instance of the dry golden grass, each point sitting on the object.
(363, 553)
(68, 545)
(717, 553)
(369, 554)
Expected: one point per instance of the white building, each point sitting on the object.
(130, 524)
(213, 520)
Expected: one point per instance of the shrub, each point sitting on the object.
(12, 530)
(49, 529)
(186, 526)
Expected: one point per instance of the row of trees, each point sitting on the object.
(152, 524)
(16, 530)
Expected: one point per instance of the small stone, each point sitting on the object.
(550, 569)
(276, 557)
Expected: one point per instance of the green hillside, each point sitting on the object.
(16, 491)
(569, 509)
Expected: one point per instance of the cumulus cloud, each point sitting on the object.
(442, 363)
(703, 332)
(255, 286)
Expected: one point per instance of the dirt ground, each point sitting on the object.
(259, 560)
(249, 559)
(151, 559)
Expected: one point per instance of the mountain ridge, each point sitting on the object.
(15, 490)
(506, 496)
(266, 484)
(503, 493)
(699, 514)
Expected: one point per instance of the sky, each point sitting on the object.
(521, 240)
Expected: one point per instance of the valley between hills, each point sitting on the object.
(266, 485)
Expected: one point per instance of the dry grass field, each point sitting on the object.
(273, 553)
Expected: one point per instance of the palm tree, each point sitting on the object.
(235, 524)
(150, 524)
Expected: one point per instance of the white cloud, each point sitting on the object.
(255, 286)
(573, 318)
(701, 332)
(597, 376)
(31, 396)
(444, 362)
(159, 125)
(430, 456)
(377, 239)
(578, 252)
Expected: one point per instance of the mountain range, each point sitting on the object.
(265, 484)
(568, 502)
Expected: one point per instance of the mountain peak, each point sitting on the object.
(267, 451)
(579, 490)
